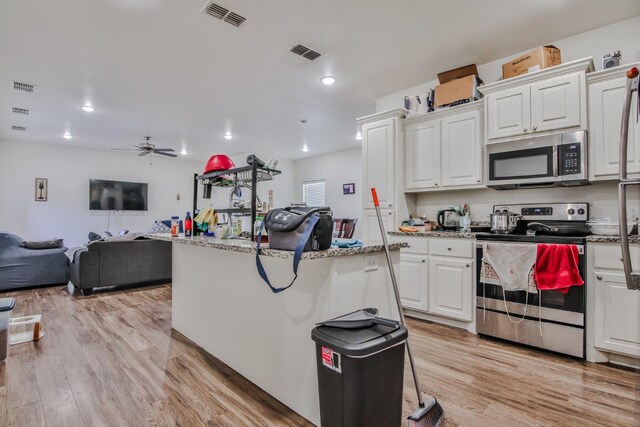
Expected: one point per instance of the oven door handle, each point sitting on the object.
(479, 245)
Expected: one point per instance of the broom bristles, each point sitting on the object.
(430, 415)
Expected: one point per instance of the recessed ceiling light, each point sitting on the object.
(183, 151)
(358, 136)
(66, 135)
(328, 80)
(88, 108)
(305, 148)
(228, 135)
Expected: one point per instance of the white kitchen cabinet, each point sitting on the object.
(508, 112)
(371, 231)
(606, 95)
(556, 103)
(451, 288)
(550, 100)
(413, 281)
(444, 149)
(617, 325)
(461, 150)
(378, 161)
(422, 155)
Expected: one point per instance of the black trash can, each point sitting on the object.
(360, 374)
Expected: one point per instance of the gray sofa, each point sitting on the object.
(21, 267)
(116, 263)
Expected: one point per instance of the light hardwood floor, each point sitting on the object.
(111, 359)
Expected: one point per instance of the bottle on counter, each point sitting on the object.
(188, 225)
(256, 229)
(466, 223)
(175, 226)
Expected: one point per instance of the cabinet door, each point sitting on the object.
(617, 322)
(605, 116)
(412, 281)
(461, 150)
(508, 112)
(422, 155)
(556, 103)
(450, 288)
(371, 231)
(378, 163)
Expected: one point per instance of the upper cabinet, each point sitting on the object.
(461, 150)
(379, 140)
(606, 95)
(444, 149)
(552, 99)
(422, 155)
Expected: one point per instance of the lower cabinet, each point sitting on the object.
(451, 288)
(617, 326)
(412, 283)
(436, 277)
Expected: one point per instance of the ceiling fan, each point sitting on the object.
(148, 148)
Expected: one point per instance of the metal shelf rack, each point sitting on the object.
(249, 175)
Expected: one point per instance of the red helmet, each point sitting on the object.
(219, 162)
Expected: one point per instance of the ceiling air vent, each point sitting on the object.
(20, 111)
(21, 128)
(23, 87)
(305, 52)
(223, 13)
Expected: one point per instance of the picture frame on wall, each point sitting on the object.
(41, 189)
(349, 188)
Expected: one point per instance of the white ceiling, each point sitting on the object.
(162, 68)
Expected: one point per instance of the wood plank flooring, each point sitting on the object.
(112, 360)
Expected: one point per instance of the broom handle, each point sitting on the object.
(397, 293)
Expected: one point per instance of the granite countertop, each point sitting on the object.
(612, 239)
(249, 247)
(441, 234)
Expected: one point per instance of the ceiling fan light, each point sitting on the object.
(228, 135)
(67, 135)
(88, 108)
(183, 151)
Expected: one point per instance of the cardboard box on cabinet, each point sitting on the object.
(458, 86)
(534, 60)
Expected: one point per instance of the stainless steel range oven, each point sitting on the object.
(549, 319)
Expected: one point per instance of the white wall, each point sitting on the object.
(622, 35)
(601, 196)
(337, 168)
(66, 214)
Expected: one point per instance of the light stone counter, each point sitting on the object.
(249, 247)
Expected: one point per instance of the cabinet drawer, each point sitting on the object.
(417, 245)
(608, 256)
(462, 248)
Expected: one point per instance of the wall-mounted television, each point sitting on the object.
(117, 195)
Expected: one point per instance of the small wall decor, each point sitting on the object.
(349, 188)
(42, 189)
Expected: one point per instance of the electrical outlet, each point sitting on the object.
(370, 263)
(633, 216)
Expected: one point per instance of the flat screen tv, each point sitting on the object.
(117, 195)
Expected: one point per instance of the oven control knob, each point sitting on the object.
(571, 211)
(599, 277)
(581, 211)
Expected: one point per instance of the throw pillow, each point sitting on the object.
(44, 244)
(94, 236)
(158, 228)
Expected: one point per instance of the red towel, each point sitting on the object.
(557, 267)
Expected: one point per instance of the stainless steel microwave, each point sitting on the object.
(544, 161)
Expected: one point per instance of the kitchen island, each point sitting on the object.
(220, 302)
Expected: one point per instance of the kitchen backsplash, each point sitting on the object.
(602, 198)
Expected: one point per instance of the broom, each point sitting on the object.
(429, 413)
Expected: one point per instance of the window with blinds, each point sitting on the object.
(313, 193)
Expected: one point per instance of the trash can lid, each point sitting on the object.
(361, 341)
(7, 304)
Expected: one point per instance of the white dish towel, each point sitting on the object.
(512, 263)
